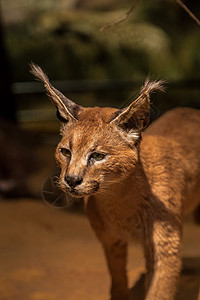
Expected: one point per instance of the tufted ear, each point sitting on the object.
(67, 110)
(137, 115)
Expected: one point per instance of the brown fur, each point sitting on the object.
(139, 189)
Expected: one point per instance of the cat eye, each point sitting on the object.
(65, 152)
(97, 156)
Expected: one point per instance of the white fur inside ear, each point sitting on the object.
(130, 136)
(133, 134)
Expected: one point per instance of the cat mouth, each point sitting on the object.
(80, 192)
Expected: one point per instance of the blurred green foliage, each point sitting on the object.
(157, 39)
(64, 37)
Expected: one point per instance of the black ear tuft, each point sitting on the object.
(137, 114)
(67, 109)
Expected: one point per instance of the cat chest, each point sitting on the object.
(124, 225)
(122, 221)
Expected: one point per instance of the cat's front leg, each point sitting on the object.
(116, 255)
(115, 251)
(166, 242)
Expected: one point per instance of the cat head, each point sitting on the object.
(99, 146)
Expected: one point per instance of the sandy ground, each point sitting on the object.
(52, 254)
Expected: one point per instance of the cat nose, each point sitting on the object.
(73, 181)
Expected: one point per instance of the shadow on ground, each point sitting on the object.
(189, 284)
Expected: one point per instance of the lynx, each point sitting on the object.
(135, 185)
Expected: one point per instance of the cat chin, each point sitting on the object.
(76, 194)
(79, 193)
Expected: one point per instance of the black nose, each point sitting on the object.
(73, 181)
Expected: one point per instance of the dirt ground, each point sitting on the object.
(52, 254)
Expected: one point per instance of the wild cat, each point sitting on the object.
(135, 185)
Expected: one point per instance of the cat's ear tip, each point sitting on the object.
(153, 85)
(38, 72)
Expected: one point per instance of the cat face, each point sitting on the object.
(93, 153)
